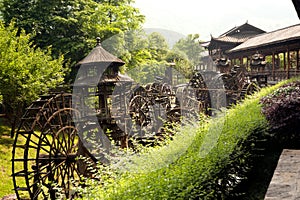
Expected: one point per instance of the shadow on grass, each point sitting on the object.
(7, 141)
(5, 138)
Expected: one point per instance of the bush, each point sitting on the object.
(25, 72)
(282, 108)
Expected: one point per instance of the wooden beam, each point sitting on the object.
(284, 61)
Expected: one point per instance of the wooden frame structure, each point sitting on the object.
(282, 45)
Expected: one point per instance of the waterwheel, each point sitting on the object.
(150, 107)
(45, 160)
(199, 83)
(248, 89)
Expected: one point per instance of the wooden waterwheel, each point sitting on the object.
(45, 153)
(49, 158)
(150, 107)
(199, 83)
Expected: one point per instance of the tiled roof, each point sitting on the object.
(236, 35)
(234, 39)
(278, 36)
(244, 28)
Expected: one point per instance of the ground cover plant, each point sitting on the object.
(218, 163)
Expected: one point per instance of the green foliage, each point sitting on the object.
(25, 71)
(190, 46)
(181, 61)
(149, 56)
(132, 47)
(158, 46)
(147, 72)
(54, 23)
(185, 54)
(71, 27)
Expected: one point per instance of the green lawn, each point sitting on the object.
(6, 144)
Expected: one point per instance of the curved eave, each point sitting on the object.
(215, 43)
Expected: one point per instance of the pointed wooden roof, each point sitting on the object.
(100, 55)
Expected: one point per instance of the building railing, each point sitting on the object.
(279, 75)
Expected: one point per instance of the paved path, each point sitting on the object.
(285, 183)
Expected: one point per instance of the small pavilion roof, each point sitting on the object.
(100, 55)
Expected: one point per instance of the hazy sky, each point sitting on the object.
(216, 16)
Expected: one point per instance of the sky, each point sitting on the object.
(214, 17)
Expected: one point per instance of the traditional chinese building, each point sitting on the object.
(218, 46)
(282, 46)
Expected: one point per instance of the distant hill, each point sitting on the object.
(171, 36)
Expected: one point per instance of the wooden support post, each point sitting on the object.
(297, 60)
(273, 66)
(247, 65)
(284, 61)
(289, 64)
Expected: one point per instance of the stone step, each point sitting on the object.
(285, 183)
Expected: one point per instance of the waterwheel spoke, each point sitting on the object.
(37, 193)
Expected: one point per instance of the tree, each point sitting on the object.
(53, 23)
(181, 61)
(158, 46)
(150, 57)
(72, 26)
(136, 45)
(190, 46)
(25, 72)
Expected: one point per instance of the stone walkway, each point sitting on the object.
(285, 183)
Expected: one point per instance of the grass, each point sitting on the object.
(6, 144)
